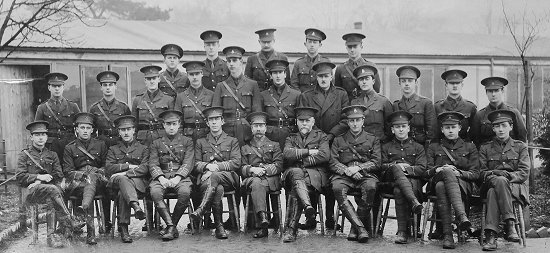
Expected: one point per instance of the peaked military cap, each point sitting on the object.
(500, 116)
(450, 118)
(233, 52)
(151, 70)
(266, 34)
(353, 38)
(354, 111)
(38, 126)
(125, 121)
(367, 69)
(399, 117)
(84, 118)
(276, 65)
(107, 77)
(193, 66)
(323, 67)
(56, 78)
(211, 36)
(170, 115)
(171, 49)
(315, 34)
(257, 117)
(214, 111)
(494, 82)
(453, 75)
(408, 72)
(305, 112)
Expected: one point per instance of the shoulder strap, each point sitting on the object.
(54, 116)
(257, 153)
(233, 95)
(34, 161)
(196, 107)
(216, 150)
(448, 154)
(171, 153)
(104, 114)
(150, 111)
(169, 83)
(278, 106)
(350, 72)
(262, 66)
(354, 151)
(86, 152)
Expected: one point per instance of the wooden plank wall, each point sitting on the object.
(15, 112)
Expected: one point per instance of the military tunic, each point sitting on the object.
(104, 122)
(193, 122)
(329, 117)
(464, 106)
(214, 72)
(28, 172)
(255, 68)
(407, 151)
(343, 77)
(303, 77)
(149, 126)
(178, 80)
(481, 130)
(227, 157)
(378, 109)
(423, 123)
(279, 105)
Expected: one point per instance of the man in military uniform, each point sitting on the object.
(453, 169)
(40, 172)
(455, 102)
(215, 68)
(481, 130)
(172, 80)
(126, 166)
(108, 108)
(171, 161)
(505, 173)
(262, 162)
(255, 65)
(355, 161)
(59, 113)
(343, 77)
(83, 166)
(217, 157)
(421, 108)
(303, 77)
(147, 106)
(238, 95)
(404, 164)
(307, 154)
(378, 106)
(279, 102)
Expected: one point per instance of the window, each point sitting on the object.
(93, 92)
(72, 85)
(122, 84)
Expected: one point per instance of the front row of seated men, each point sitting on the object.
(356, 162)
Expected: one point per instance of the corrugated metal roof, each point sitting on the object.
(151, 35)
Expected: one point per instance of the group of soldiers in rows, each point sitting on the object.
(258, 128)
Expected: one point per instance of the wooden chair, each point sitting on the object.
(271, 198)
(97, 205)
(338, 213)
(383, 216)
(519, 222)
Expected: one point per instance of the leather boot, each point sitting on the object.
(169, 231)
(448, 241)
(138, 212)
(303, 196)
(220, 230)
(444, 209)
(401, 238)
(351, 215)
(352, 236)
(490, 241)
(261, 233)
(262, 219)
(179, 209)
(149, 214)
(90, 228)
(294, 211)
(124, 234)
(402, 214)
(511, 234)
(205, 203)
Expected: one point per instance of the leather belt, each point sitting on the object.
(282, 122)
(195, 125)
(156, 126)
(107, 132)
(169, 167)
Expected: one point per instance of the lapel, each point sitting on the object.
(210, 138)
(318, 98)
(312, 136)
(284, 94)
(258, 145)
(328, 101)
(509, 145)
(64, 104)
(414, 100)
(262, 58)
(370, 101)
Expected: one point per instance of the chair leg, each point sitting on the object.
(341, 221)
(34, 223)
(482, 234)
(148, 219)
(191, 209)
(336, 217)
(385, 217)
(521, 225)
(236, 213)
(425, 221)
(114, 216)
(280, 213)
(371, 225)
(246, 210)
(415, 226)
(321, 215)
(100, 215)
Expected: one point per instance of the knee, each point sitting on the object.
(396, 191)
(447, 172)
(440, 186)
(337, 188)
(295, 173)
(500, 181)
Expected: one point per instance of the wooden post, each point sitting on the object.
(529, 125)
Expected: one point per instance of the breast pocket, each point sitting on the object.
(418, 119)
(246, 99)
(228, 101)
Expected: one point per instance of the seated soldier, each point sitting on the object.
(218, 156)
(171, 159)
(453, 168)
(355, 158)
(504, 170)
(40, 172)
(307, 154)
(404, 163)
(83, 161)
(128, 171)
(262, 161)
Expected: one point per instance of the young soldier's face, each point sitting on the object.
(324, 80)
(401, 131)
(354, 51)
(235, 65)
(312, 46)
(454, 88)
(495, 96)
(356, 125)
(127, 133)
(152, 83)
(39, 139)
(408, 85)
(56, 90)
(305, 125)
(171, 127)
(84, 131)
(212, 48)
(215, 123)
(108, 89)
(171, 61)
(195, 78)
(451, 131)
(502, 130)
(258, 129)
(366, 83)
(278, 77)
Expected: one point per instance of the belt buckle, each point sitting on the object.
(197, 126)
(238, 114)
(281, 123)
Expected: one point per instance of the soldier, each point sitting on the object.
(171, 161)
(238, 95)
(108, 109)
(147, 106)
(59, 113)
(505, 173)
(40, 172)
(404, 163)
(217, 156)
(455, 102)
(255, 65)
(307, 154)
(421, 108)
(172, 80)
(378, 106)
(215, 68)
(343, 77)
(127, 167)
(303, 77)
(355, 161)
(481, 130)
(453, 168)
(279, 102)
(262, 162)
(83, 166)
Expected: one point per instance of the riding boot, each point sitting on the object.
(64, 216)
(124, 234)
(303, 196)
(206, 202)
(90, 228)
(444, 208)
(406, 188)
(351, 215)
(510, 229)
(169, 231)
(402, 214)
(218, 223)
(294, 211)
(179, 209)
(138, 212)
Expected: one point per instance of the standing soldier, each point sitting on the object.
(255, 64)
(455, 102)
(126, 165)
(171, 161)
(453, 168)
(378, 106)
(238, 95)
(262, 162)
(83, 166)
(108, 109)
(303, 77)
(355, 161)
(404, 164)
(147, 106)
(215, 68)
(504, 173)
(481, 130)
(217, 156)
(343, 77)
(307, 154)
(421, 108)
(40, 172)
(279, 102)
(172, 80)
(59, 113)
